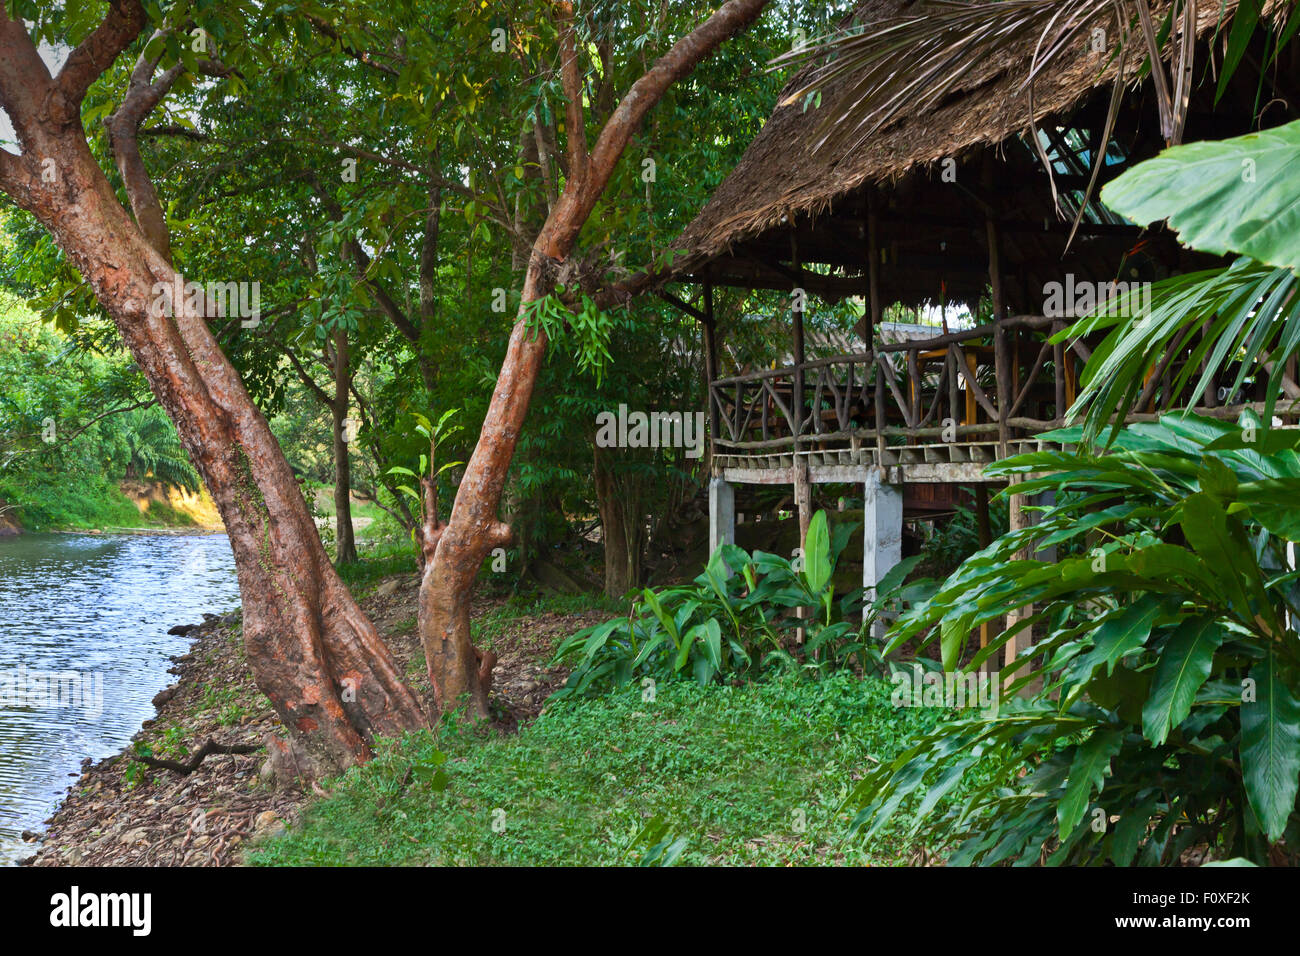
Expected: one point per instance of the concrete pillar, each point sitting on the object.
(882, 546)
(722, 514)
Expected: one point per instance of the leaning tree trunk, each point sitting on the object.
(331, 679)
(460, 674)
(344, 538)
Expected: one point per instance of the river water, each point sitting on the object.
(85, 648)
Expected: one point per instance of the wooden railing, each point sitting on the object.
(987, 384)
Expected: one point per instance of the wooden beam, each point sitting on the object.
(681, 304)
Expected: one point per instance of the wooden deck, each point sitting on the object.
(926, 410)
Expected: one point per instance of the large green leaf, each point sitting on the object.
(1087, 772)
(1221, 542)
(1236, 195)
(1270, 748)
(1184, 666)
(817, 553)
(1121, 634)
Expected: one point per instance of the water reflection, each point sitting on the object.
(86, 617)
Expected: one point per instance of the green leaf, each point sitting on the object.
(713, 643)
(1130, 830)
(1087, 772)
(1270, 748)
(1184, 666)
(1219, 539)
(1121, 634)
(1254, 176)
(952, 638)
(817, 554)
(1243, 28)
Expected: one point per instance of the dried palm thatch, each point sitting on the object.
(800, 166)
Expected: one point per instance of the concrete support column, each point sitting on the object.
(722, 514)
(882, 546)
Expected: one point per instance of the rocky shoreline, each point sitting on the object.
(121, 813)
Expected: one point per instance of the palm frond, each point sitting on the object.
(1247, 314)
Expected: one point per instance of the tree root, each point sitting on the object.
(196, 758)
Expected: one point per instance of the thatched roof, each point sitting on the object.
(783, 184)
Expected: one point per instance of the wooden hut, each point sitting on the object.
(952, 205)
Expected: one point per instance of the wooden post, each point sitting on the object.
(874, 307)
(802, 498)
(803, 504)
(1001, 360)
(972, 406)
(1019, 520)
(954, 387)
(799, 476)
(797, 403)
(1211, 394)
(913, 386)
(881, 420)
(882, 533)
(1001, 356)
(985, 533)
(1058, 366)
(722, 514)
(710, 357)
(1071, 378)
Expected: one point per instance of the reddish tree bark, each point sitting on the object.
(324, 667)
(473, 528)
(311, 650)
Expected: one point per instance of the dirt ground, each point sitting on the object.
(122, 813)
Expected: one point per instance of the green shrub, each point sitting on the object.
(738, 620)
(1164, 707)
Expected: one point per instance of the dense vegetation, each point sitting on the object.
(75, 421)
(387, 190)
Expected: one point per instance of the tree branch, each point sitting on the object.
(143, 95)
(24, 80)
(571, 77)
(15, 178)
(364, 57)
(321, 395)
(173, 129)
(125, 20)
(728, 20)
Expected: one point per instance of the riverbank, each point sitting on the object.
(120, 812)
(51, 502)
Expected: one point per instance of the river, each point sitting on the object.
(85, 648)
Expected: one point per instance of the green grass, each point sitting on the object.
(747, 775)
(322, 493)
(378, 560)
